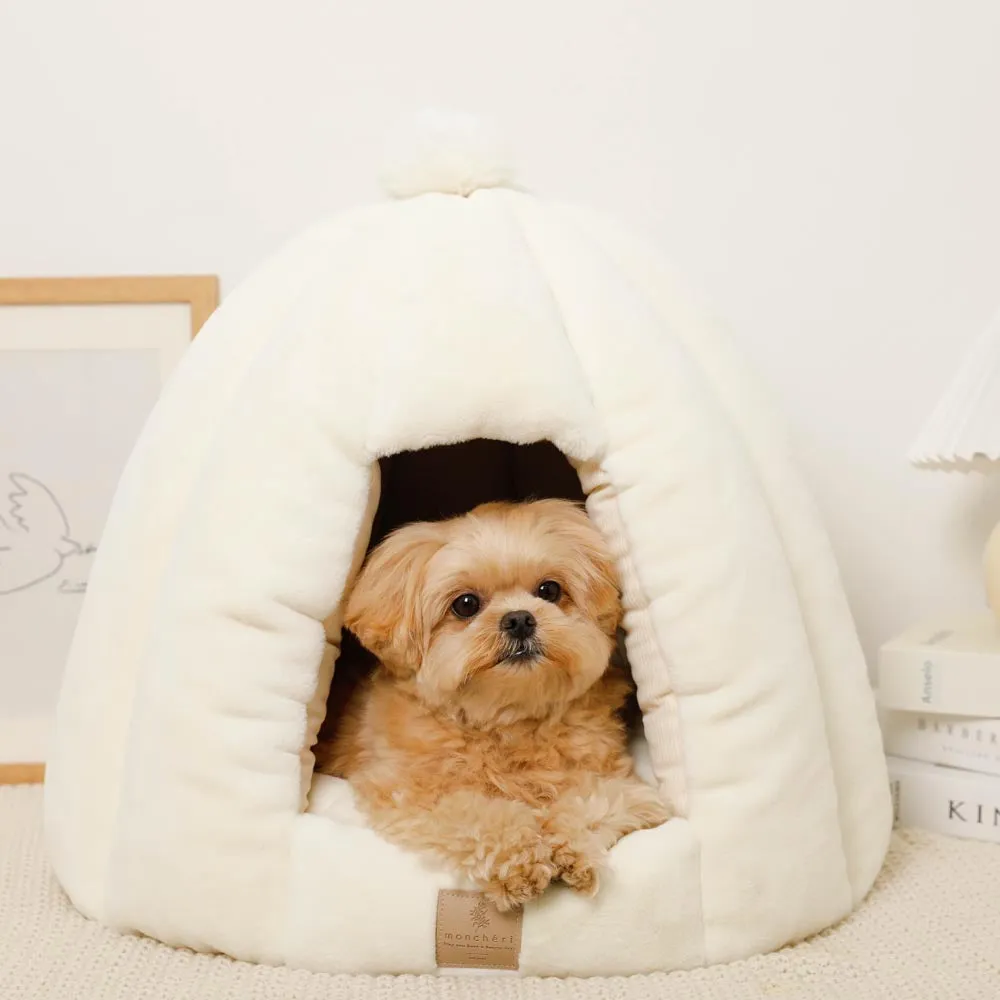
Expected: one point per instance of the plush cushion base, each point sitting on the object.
(390, 924)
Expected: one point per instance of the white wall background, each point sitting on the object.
(826, 175)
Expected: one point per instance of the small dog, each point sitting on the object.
(490, 734)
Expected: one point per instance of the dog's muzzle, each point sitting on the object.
(521, 650)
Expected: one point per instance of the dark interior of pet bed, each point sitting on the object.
(442, 482)
(445, 481)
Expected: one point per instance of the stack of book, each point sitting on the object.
(939, 707)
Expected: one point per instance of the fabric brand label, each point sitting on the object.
(473, 934)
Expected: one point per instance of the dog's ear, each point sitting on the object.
(384, 609)
(601, 575)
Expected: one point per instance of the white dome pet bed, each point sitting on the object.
(180, 797)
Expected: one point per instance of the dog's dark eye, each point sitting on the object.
(465, 606)
(549, 590)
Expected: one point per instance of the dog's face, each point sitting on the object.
(504, 613)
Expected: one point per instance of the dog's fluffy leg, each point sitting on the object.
(497, 843)
(583, 823)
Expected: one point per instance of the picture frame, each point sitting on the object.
(82, 362)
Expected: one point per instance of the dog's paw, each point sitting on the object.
(577, 868)
(646, 809)
(520, 876)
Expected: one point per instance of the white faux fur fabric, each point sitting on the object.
(176, 803)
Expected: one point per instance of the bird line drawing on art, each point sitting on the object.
(35, 537)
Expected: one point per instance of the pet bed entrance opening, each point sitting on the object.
(441, 482)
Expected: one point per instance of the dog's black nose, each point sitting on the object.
(518, 624)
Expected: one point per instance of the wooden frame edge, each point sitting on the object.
(199, 291)
(22, 774)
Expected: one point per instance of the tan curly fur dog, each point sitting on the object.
(490, 735)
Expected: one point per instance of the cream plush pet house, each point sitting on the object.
(180, 799)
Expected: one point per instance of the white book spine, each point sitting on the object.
(945, 800)
(946, 682)
(953, 740)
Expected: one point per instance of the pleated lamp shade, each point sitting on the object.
(963, 431)
(963, 435)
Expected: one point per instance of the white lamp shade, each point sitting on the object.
(963, 431)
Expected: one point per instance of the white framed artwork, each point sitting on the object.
(82, 362)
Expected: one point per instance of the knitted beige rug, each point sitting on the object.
(930, 928)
